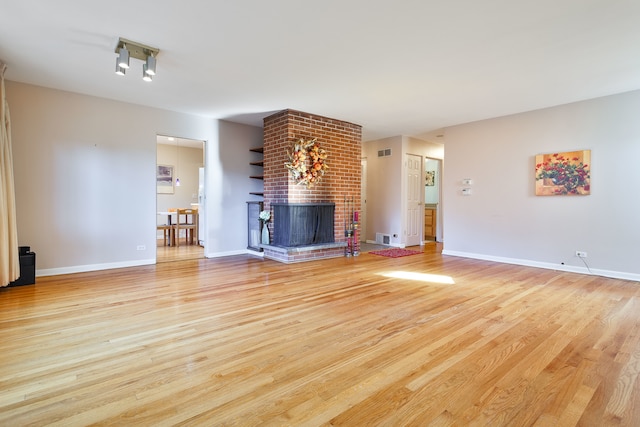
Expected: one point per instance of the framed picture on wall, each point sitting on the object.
(164, 179)
(430, 178)
(560, 174)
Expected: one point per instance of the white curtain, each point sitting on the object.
(9, 257)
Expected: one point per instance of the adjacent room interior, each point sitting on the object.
(180, 184)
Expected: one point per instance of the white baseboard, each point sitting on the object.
(137, 263)
(228, 253)
(504, 260)
(393, 245)
(546, 265)
(92, 267)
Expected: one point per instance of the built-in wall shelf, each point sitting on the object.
(260, 164)
(254, 225)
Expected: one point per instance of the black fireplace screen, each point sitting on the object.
(302, 224)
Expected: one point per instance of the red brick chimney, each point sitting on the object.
(342, 142)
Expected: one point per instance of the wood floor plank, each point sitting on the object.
(420, 340)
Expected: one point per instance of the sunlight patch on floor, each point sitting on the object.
(421, 277)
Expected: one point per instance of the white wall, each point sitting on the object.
(85, 179)
(384, 179)
(503, 220)
(228, 171)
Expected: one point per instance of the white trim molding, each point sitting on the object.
(546, 265)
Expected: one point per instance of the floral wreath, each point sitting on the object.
(307, 162)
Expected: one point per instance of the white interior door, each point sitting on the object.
(414, 214)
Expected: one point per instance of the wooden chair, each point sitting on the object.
(187, 220)
(167, 233)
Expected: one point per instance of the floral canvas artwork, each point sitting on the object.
(567, 173)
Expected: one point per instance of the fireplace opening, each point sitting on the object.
(302, 224)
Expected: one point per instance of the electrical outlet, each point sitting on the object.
(581, 254)
(141, 248)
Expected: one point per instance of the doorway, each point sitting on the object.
(432, 191)
(180, 166)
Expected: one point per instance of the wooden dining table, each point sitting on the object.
(169, 215)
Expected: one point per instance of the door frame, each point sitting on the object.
(438, 184)
(186, 140)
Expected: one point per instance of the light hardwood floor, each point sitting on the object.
(363, 341)
(177, 253)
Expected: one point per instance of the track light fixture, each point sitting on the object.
(128, 49)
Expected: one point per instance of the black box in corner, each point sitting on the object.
(27, 267)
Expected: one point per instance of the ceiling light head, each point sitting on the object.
(150, 65)
(119, 70)
(145, 74)
(123, 57)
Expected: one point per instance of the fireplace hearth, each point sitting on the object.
(303, 224)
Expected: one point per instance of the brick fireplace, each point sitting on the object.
(342, 142)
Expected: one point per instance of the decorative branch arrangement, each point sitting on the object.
(351, 228)
(307, 162)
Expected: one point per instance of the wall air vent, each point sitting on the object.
(383, 239)
(384, 153)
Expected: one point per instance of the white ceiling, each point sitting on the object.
(403, 67)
